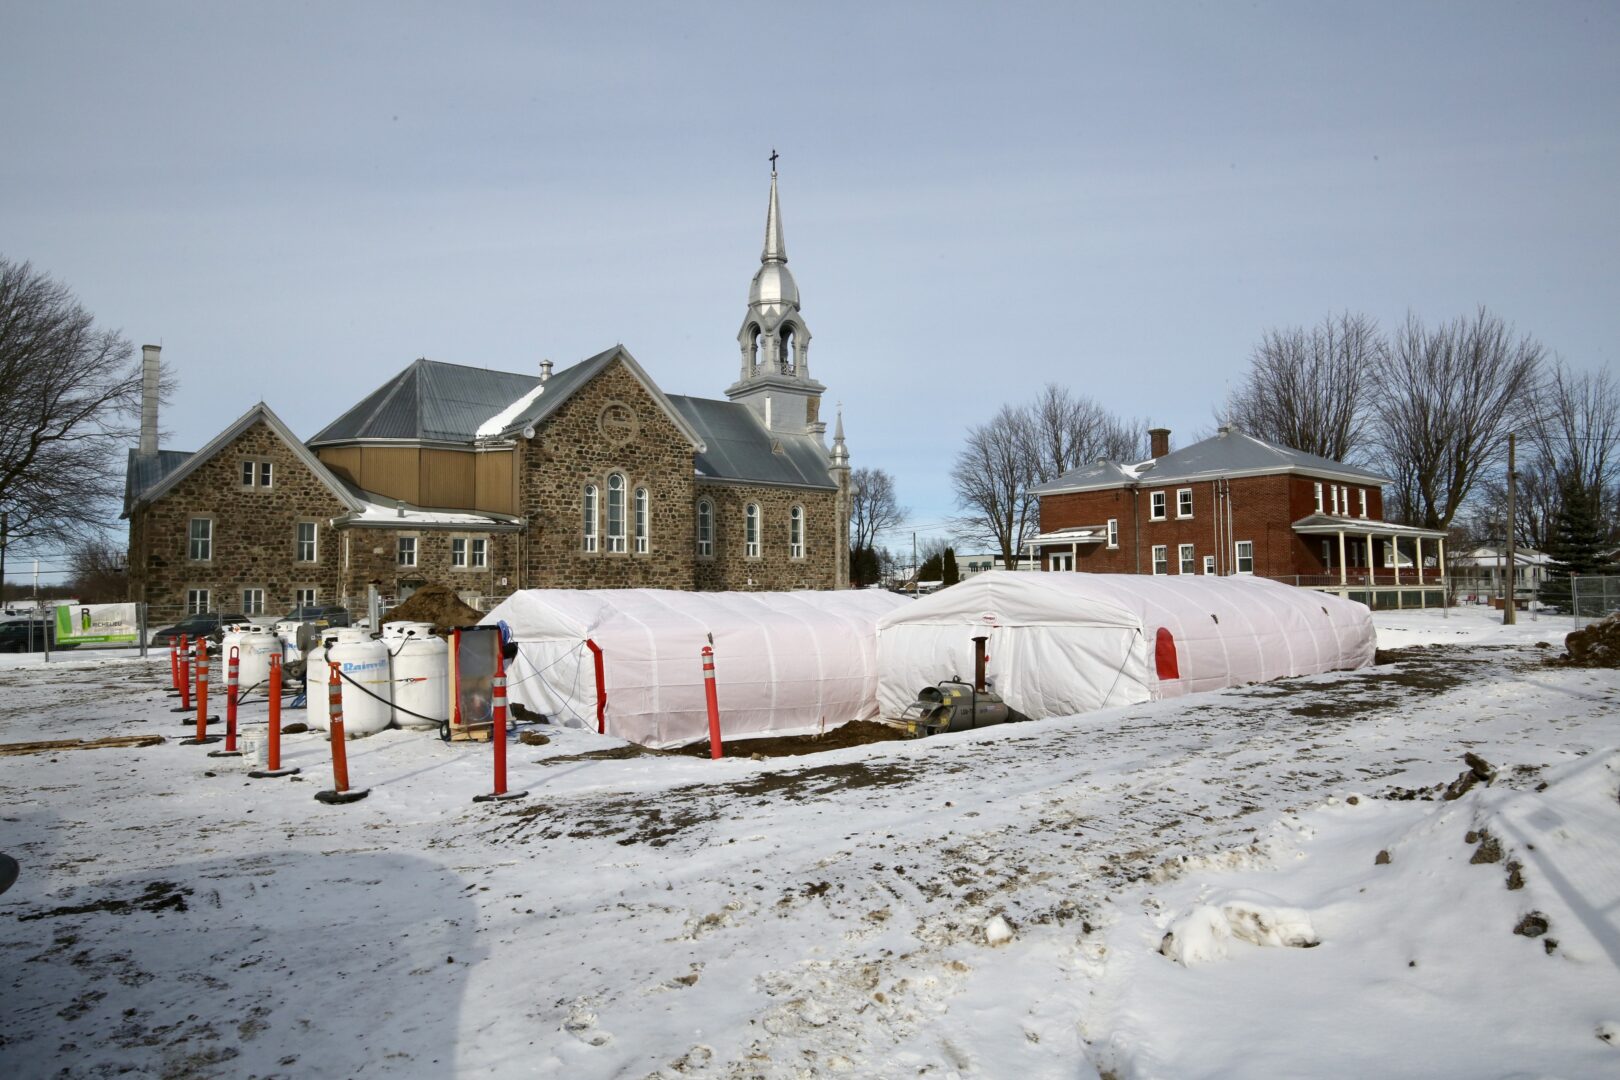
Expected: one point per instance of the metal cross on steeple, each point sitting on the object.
(773, 161)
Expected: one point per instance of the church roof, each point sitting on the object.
(429, 401)
(738, 448)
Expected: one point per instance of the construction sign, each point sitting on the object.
(102, 624)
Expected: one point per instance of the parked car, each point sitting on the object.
(204, 624)
(29, 635)
(321, 615)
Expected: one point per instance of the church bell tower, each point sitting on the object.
(775, 342)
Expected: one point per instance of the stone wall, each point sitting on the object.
(374, 560)
(611, 424)
(254, 533)
(730, 569)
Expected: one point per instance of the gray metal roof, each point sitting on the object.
(429, 401)
(558, 389)
(1231, 453)
(146, 471)
(737, 447)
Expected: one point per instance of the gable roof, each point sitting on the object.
(737, 447)
(561, 386)
(429, 401)
(144, 470)
(259, 412)
(1228, 454)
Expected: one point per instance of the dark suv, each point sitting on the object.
(321, 615)
(28, 635)
(203, 624)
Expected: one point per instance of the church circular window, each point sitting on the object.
(618, 423)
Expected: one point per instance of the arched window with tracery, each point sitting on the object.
(796, 532)
(751, 531)
(589, 518)
(642, 523)
(615, 512)
(705, 528)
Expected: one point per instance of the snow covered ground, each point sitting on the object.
(1261, 882)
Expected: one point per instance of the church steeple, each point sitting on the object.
(775, 341)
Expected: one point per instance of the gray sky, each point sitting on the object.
(296, 200)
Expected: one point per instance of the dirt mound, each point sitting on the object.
(437, 604)
(1597, 645)
(855, 733)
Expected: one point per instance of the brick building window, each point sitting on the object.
(796, 533)
(407, 551)
(1245, 556)
(615, 512)
(1189, 561)
(705, 528)
(197, 601)
(590, 518)
(480, 554)
(1363, 502)
(1318, 496)
(1184, 503)
(306, 541)
(1113, 532)
(253, 601)
(1209, 564)
(200, 540)
(458, 551)
(1156, 506)
(641, 526)
(1335, 498)
(751, 531)
(1161, 558)
(303, 598)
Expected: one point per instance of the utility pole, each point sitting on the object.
(1509, 617)
(915, 569)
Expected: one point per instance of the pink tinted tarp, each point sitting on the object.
(1064, 643)
(785, 663)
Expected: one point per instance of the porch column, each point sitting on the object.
(1419, 559)
(1372, 567)
(1342, 574)
(1074, 555)
(1395, 548)
(1440, 562)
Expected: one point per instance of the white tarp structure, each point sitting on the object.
(1064, 643)
(785, 663)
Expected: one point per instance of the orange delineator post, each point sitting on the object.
(340, 757)
(232, 673)
(185, 674)
(274, 761)
(715, 749)
(174, 666)
(498, 685)
(202, 691)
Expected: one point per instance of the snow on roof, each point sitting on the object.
(497, 423)
(405, 516)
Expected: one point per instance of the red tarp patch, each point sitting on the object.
(1164, 654)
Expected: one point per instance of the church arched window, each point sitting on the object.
(615, 512)
(785, 336)
(590, 517)
(705, 528)
(753, 349)
(641, 521)
(796, 532)
(751, 531)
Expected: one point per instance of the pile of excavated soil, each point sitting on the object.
(856, 733)
(436, 604)
(1597, 645)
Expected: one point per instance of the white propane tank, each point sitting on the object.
(365, 661)
(254, 645)
(421, 674)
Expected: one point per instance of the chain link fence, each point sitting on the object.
(1593, 597)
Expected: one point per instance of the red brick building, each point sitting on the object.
(1235, 504)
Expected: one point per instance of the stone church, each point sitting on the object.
(589, 476)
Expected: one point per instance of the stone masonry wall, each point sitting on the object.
(373, 558)
(254, 533)
(611, 424)
(730, 569)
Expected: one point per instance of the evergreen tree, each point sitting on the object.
(950, 573)
(864, 568)
(1577, 543)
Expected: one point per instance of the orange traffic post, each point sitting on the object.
(273, 765)
(715, 749)
(233, 669)
(185, 677)
(340, 792)
(174, 666)
(203, 719)
(498, 737)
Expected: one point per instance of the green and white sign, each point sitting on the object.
(103, 624)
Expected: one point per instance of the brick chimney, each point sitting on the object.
(151, 373)
(1159, 440)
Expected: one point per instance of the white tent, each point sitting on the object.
(785, 663)
(1063, 643)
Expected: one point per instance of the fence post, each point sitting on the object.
(498, 737)
(340, 792)
(273, 765)
(715, 749)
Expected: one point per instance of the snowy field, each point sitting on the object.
(1257, 883)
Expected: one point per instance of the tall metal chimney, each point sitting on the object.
(151, 373)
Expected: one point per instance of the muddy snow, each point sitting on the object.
(1286, 880)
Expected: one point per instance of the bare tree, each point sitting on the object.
(992, 478)
(873, 507)
(1072, 431)
(1446, 398)
(99, 571)
(1308, 388)
(69, 396)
